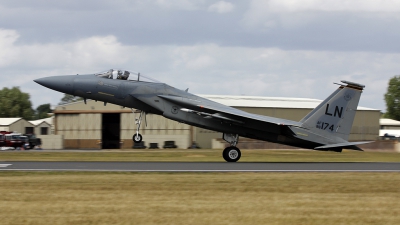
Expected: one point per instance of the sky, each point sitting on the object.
(274, 48)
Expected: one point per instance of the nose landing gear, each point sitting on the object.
(137, 138)
(231, 153)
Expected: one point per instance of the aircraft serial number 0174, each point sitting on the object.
(326, 128)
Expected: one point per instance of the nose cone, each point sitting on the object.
(58, 83)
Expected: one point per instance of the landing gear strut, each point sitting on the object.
(231, 153)
(137, 138)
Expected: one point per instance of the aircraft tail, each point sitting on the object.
(335, 115)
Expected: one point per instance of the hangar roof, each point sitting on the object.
(269, 102)
(8, 121)
(45, 120)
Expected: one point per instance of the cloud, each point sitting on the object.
(84, 54)
(187, 5)
(186, 22)
(7, 39)
(289, 13)
(193, 57)
(204, 68)
(100, 5)
(221, 7)
(328, 5)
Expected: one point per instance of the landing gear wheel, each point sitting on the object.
(231, 154)
(137, 138)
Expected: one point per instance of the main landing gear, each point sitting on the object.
(137, 138)
(231, 153)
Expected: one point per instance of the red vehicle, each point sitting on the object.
(13, 140)
(2, 140)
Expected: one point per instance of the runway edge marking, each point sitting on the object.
(4, 165)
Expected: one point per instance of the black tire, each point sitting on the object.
(231, 154)
(137, 138)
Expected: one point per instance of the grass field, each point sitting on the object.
(201, 156)
(199, 198)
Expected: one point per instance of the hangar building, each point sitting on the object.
(95, 126)
(19, 125)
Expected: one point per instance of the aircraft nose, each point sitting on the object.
(58, 83)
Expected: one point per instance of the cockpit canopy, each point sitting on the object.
(125, 75)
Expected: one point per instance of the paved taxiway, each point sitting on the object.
(200, 167)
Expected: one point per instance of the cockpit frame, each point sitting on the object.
(119, 74)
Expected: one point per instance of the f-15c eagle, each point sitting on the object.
(325, 128)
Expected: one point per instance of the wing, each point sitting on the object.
(216, 110)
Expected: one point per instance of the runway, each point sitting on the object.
(199, 167)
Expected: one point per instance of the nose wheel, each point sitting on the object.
(137, 138)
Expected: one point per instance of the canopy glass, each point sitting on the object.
(125, 75)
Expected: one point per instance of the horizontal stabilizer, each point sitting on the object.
(349, 145)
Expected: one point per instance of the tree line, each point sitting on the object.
(15, 103)
(392, 99)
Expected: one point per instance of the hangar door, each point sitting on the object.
(110, 135)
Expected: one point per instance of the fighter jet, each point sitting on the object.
(325, 128)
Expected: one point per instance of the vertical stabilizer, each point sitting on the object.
(335, 115)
